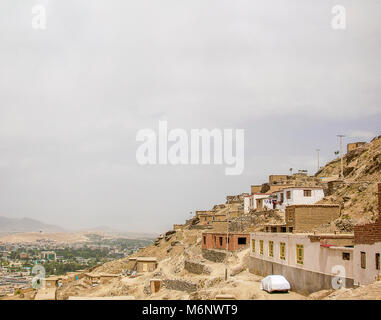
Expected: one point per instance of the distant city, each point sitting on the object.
(17, 259)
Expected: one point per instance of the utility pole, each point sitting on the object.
(341, 155)
(318, 158)
(227, 242)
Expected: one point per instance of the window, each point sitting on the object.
(253, 245)
(346, 256)
(241, 240)
(271, 248)
(261, 246)
(299, 253)
(204, 237)
(288, 194)
(377, 261)
(307, 193)
(282, 197)
(283, 229)
(220, 241)
(282, 253)
(363, 260)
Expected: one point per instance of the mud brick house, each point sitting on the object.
(305, 217)
(354, 145)
(368, 249)
(146, 264)
(218, 240)
(255, 189)
(96, 278)
(205, 218)
(52, 282)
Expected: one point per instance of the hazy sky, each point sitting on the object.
(73, 96)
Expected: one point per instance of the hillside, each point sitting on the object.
(177, 248)
(357, 192)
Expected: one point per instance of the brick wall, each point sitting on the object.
(218, 241)
(371, 232)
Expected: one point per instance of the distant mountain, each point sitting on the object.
(26, 225)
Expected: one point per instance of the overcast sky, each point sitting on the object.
(73, 96)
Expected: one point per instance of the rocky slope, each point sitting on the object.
(357, 192)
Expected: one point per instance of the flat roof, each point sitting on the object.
(326, 205)
(317, 236)
(147, 259)
(299, 187)
(224, 232)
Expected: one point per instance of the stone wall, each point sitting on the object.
(213, 255)
(196, 268)
(333, 186)
(179, 285)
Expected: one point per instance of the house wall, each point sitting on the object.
(250, 202)
(151, 266)
(305, 218)
(370, 273)
(319, 263)
(354, 145)
(301, 280)
(212, 241)
(368, 240)
(205, 219)
(220, 217)
(255, 188)
(246, 204)
(297, 197)
(277, 179)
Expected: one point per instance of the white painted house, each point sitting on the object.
(367, 263)
(309, 262)
(258, 201)
(289, 196)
